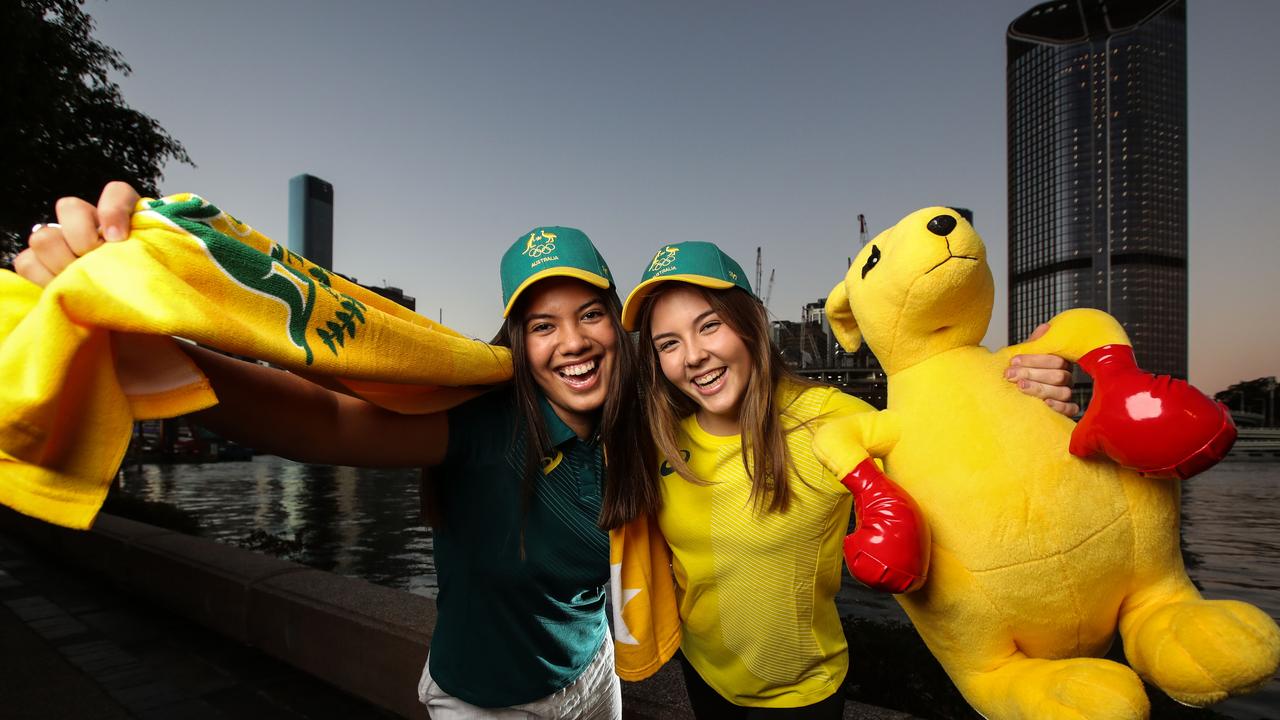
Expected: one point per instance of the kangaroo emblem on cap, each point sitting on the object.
(663, 258)
(540, 243)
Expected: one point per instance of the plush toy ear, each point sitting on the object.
(840, 315)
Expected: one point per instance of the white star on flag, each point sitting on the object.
(620, 598)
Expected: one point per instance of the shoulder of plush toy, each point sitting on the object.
(844, 441)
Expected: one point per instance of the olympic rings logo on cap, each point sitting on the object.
(540, 243)
(663, 258)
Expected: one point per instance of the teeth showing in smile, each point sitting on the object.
(581, 368)
(709, 378)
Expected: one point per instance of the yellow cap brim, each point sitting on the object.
(631, 308)
(583, 275)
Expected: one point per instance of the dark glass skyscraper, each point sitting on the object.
(1097, 112)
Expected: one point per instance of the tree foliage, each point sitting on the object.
(1255, 401)
(64, 127)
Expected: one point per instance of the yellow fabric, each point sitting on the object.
(1039, 558)
(646, 621)
(73, 384)
(757, 590)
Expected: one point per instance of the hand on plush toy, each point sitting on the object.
(889, 549)
(1047, 377)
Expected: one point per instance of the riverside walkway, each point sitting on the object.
(74, 648)
(77, 647)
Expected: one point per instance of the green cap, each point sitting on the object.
(545, 252)
(699, 263)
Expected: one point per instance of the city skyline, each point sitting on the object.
(448, 130)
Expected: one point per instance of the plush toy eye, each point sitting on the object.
(871, 261)
(942, 225)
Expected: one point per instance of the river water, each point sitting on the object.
(365, 523)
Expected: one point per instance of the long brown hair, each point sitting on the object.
(630, 478)
(760, 416)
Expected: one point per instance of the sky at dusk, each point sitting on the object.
(449, 129)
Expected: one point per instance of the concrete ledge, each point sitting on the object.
(311, 619)
(368, 640)
(205, 581)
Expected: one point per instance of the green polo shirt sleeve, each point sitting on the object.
(516, 624)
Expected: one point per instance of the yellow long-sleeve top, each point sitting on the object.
(756, 590)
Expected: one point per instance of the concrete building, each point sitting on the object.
(811, 349)
(394, 294)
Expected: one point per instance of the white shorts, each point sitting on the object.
(595, 695)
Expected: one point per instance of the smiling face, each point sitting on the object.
(571, 347)
(701, 356)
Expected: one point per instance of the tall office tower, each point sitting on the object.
(311, 219)
(1097, 112)
(311, 231)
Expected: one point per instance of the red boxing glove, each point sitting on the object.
(889, 550)
(1159, 426)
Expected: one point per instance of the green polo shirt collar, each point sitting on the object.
(557, 431)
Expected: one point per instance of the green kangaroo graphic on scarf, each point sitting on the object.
(268, 275)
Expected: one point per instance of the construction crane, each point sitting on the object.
(758, 269)
(764, 296)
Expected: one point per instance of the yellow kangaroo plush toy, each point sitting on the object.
(1038, 556)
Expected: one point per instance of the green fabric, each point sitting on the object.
(513, 630)
(550, 252)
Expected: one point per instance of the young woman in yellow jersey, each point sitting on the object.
(753, 519)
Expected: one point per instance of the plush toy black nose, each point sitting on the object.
(942, 225)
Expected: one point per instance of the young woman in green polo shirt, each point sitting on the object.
(521, 559)
(757, 554)
(521, 552)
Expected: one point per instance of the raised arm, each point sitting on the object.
(282, 414)
(271, 410)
